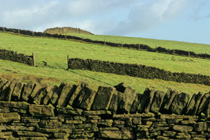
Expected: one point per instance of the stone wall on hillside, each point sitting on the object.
(112, 44)
(33, 111)
(66, 30)
(136, 70)
(14, 56)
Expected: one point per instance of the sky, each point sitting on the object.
(180, 20)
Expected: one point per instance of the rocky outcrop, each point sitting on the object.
(66, 30)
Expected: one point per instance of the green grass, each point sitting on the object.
(198, 48)
(55, 51)
(10, 69)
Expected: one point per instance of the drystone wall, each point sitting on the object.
(66, 30)
(14, 56)
(132, 46)
(136, 70)
(32, 111)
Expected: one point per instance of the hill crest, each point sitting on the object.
(66, 30)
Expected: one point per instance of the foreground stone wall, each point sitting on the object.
(132, 46)
(136, 70)
(14, 56)
(33, 111)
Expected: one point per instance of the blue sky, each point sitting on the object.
(181, 20)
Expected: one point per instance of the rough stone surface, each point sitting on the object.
(108, 134)
(41, 110)
(182, 128)
(114, 102)
(203, 104)
(28, 88)
(65, 95)
(167, 101)
(127, 100)
(146, 102)
(136, 103)
(79, 87)
(17, 91)
(103, 98)
(7, 117)
(86, 98)
(179, 103)
(157, 101)
(121, 87)
(194, 104)
(50, 90)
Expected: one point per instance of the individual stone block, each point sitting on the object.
(103, 98)
(136, 103)
(68, 111)
(182, 128)
(79, 87)
(200, 126)
(7, 117)
(41, 110)
(97, 112)
(50, 90)
(204, 103)
(121, 87)
(4, 90)
(56, 94)
(194, 104)
(28, 88)
(20, 107)
(16, 94)
(36, 90)
(115, 102)
(38, 99)
(86, 98)
(179, 103)
(65, 95)
(146, 101)
(157, 101)
(167, 101)
(10, 90)
(31, 134)
(126, 100)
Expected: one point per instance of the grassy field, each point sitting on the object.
(198, 48)
(54, 52)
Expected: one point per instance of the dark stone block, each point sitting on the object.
(194, 104)
(157, 101)
(179, 103)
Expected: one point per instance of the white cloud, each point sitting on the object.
(145, 16)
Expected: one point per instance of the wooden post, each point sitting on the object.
(18, 31)
(33, 58)
(67, 61)
(188, 53)
(32, 33)
(121, 44)
(173, 51)
(138, 47)
(3, 29)
(104, 42)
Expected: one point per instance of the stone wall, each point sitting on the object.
(136, 70)
(66, 30)
(14, 56)
(132, 46)
(33, 111)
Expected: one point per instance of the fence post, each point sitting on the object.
(104, 42)
(33, 58)
(18, 31)
(188, 53)
(138, 47)
(3, 29)
(121, 44)
(67, 61)
(32, 33)
(173, 51)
